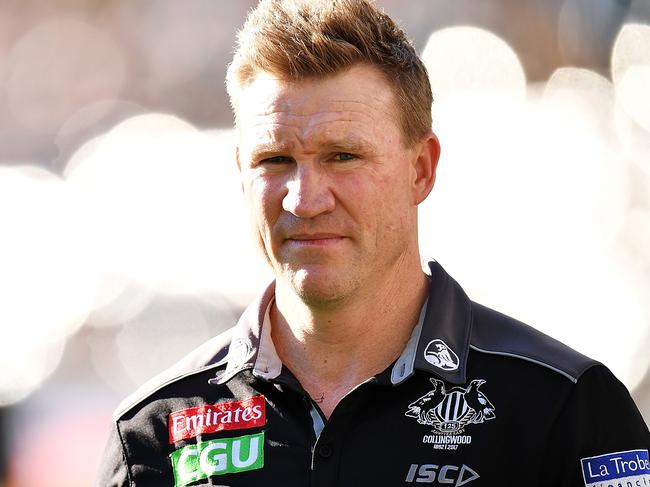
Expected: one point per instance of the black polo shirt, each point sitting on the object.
(476, 398)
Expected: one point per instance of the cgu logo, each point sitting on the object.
(429, 473)
(217, 457)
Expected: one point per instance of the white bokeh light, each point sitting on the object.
(164, 203)
(583, 95)
(630, 66)
(48, 277)
(631, 72)
(631, 48)
(634, 94)
(153, 206)
(91, 120)
(634, 139)
(53, 57)
(464, 60)
(175, 326)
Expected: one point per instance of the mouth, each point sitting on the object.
(315, 239)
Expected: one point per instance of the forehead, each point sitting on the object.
(358, 103)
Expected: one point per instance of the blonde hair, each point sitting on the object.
(306, 39)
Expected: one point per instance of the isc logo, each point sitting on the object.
(430, 473)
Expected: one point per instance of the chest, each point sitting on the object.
(423, 432)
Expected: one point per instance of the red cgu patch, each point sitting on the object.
(190, 422)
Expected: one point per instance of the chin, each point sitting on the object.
(321, 287)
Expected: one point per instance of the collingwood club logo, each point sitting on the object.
(440, 355)
(449, 412)
(239, 353)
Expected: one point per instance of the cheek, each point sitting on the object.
(263, 201)
(394, 204)
(256, 194)
(379, 209)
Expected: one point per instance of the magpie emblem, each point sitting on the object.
(448, 412)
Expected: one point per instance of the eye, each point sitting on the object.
(345, 156)
(276, 160)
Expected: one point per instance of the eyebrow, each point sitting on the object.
(348, 144)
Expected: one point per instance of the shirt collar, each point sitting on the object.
(251, 346)
(439, 343)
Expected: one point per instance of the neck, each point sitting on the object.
(333, 349)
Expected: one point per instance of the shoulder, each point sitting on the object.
(211, 355)
(497, 334)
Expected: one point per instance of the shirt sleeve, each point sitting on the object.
(598, 436)
(113, 469)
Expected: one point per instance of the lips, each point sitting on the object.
(314, 236)
(314, 239)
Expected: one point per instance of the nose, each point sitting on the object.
(308, 193)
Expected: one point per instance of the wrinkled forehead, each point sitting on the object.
(357, 94)
(273, 101)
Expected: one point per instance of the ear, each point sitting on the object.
(424, 167)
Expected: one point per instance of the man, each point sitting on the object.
(355, 367)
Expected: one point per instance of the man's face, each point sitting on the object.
(328, 181)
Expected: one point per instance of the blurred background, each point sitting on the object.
(123, 238)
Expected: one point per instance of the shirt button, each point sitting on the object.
(325, 451)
